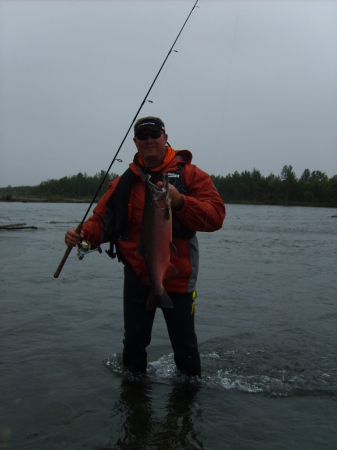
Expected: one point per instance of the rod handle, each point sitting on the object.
(66, 254)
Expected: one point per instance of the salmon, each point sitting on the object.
(155, 243)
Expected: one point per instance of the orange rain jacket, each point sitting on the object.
(203, 210)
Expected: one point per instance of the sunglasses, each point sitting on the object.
(144, 134)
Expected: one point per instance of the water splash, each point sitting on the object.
(253, 371)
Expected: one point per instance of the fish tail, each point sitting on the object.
(163, 301)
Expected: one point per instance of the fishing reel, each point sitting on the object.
(84, 248)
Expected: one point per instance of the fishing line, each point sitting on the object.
(167, 67)
(226, 87)
(225, 99)
(79, 227)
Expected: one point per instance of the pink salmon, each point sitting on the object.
(155, 243)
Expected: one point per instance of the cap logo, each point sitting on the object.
(146, 123)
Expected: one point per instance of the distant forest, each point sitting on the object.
(76, 187)
(311, 189)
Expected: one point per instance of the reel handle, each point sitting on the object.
(66, 254)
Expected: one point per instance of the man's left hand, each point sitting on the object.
(175, 194)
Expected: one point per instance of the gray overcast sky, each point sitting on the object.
(253, 85)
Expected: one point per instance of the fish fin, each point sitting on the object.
(170, 271)
(173, 248)
(139, 249)
(162, 301)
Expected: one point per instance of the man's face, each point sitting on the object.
(151, 150)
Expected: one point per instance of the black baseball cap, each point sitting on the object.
(150, 122)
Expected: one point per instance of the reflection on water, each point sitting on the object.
(142, 426)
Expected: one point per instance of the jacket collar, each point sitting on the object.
(170, 163)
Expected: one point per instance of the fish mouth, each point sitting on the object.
(160, 195)
(163, 188)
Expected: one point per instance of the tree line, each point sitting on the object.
(78, 187)
(312, 188)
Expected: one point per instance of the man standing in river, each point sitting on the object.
(196, 206)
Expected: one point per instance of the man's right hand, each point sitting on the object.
(72, 238)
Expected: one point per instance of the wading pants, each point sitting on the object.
(138, 327)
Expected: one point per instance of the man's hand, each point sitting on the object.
(72, 238)
(174, 193)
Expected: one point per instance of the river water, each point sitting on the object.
(266, 319)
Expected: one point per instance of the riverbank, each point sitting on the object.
(58, 199)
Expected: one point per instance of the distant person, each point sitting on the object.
(196, 206)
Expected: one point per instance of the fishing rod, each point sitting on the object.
(79, 227)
